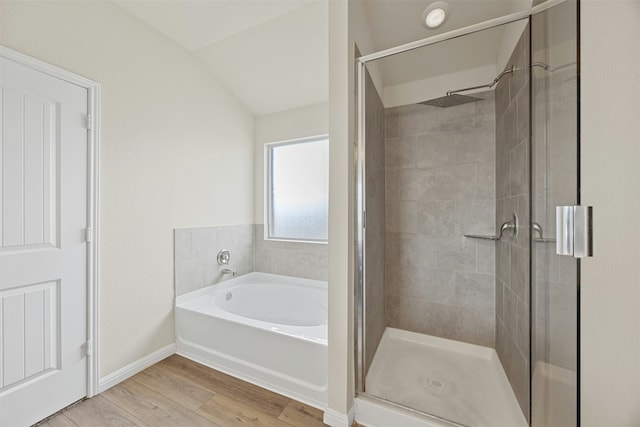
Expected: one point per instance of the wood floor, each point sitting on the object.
(180, 393)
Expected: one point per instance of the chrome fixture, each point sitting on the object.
(510, 226)
(536, 228)
(233, 273)
(548, 67)
(453, 97)
(451, 100)
(488, 85)
(574, 231)
(224, 256)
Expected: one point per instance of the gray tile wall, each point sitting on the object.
(307, 260)
(512, 195)
(375, 207)
(195, 251)
(440, 185)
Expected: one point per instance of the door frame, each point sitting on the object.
(93, 202)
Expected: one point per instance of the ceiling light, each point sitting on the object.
(435, 14)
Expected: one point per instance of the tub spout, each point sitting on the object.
(234, 273)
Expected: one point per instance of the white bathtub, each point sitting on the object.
(266, 329)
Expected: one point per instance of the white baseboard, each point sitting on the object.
(251, 376)
(135, 367)
(337, 419)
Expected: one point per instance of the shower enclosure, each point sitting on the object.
(466, 315)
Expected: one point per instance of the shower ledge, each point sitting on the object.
(492, 237)
(482, 236)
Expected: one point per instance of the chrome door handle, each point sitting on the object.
(574, 231)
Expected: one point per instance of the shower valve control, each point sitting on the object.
(224, 256)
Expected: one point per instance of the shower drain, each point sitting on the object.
(435, 383)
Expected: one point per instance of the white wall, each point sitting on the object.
(610, 172)
(177, 150)
(300, 122)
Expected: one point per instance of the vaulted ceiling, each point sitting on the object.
(273, 55)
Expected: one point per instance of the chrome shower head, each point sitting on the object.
(450, 100)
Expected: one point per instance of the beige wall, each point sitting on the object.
(177, 150)
(340, 334)
(311, 120)
(610, 172)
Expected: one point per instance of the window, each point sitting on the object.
(297, 190)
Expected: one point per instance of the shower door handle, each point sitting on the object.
(574, 231)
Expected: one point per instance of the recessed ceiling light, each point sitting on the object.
(435, 14)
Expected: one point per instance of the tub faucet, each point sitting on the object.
(234, 273)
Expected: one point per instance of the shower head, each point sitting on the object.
(450, 100)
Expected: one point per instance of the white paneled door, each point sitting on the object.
(43, 252)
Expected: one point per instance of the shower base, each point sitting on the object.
(461, 382)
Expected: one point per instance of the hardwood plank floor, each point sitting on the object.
(178, 392)
(240, 391)
(98, 412)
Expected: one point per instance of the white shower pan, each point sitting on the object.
(456, 381)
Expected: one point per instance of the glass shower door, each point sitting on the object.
(555, 182)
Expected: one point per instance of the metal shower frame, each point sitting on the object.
(361, 62)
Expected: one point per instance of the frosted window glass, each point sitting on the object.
(299, 190)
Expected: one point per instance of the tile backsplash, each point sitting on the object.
(307, 260)
(196, 249)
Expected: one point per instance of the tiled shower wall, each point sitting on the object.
(195, 251)
(375, 236)
(512, 195)
(554, 183)
(440, 185)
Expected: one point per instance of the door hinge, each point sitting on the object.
(89, 122)
(88, 348)
(574, 231)
(88, 233)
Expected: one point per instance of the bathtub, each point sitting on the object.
(263, 328)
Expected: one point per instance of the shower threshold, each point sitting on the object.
(461, 382)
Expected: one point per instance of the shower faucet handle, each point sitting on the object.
(224, 256)
(511, 226)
